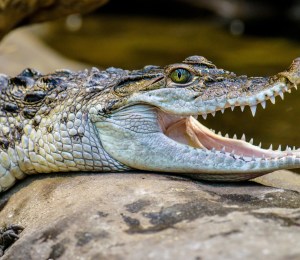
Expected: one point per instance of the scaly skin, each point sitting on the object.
(117, 120)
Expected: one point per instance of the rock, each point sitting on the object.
(22, 49)
(150, 216)
(32, 11)
(281, 179)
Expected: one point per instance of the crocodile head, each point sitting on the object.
(150, 121)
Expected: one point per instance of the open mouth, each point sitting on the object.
(189, 131)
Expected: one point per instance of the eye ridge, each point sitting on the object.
(180, 76)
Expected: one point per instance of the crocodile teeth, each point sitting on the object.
(259, 145)
(271, 147)
(251, 141)
(242, 108)
(253, 110)
(296, 87)
(243, 137)
(204, 116)
(213, 113)
(234, 136)
(281, 94)
(232, 108)
(272, 99)
(227, 136)
(219, 133)
(289, 150)
(279, 148)
(222, 110)
(263, 104)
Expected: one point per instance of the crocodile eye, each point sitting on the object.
(181, 76)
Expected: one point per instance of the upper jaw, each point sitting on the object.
(207, 95)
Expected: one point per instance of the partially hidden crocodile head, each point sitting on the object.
(150, 120)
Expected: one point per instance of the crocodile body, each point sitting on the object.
(118, 120)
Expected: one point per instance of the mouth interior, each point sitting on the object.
(189, 131)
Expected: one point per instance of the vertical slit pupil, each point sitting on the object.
(179, 74)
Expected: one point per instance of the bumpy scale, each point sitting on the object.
(118, 120)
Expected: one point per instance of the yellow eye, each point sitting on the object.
(181, 76)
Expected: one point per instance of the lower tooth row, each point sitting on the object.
(243, 138)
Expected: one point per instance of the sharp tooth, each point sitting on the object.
(213, 149)
(263, 104)
(243, 137)
(232, 153)
(259, 145)
(234, 136)
(285, 88)
(289, 150)
(213, 113)
(242, 108)
(222, 110)
(296, 87)
(219, 133)
(281, 94)
(271, 147)
(279, 147)
(294, 148)
(289, 91)
(213, 131)
(253, 110)
(272, 99)
(232, 108)
(251, 141)
(223, 149)
(204, 116)
(227, 136)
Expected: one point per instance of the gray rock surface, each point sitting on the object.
(150, 216)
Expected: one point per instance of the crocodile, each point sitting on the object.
(117, 120)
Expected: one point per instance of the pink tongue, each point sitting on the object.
(183, 134)
(189, 131)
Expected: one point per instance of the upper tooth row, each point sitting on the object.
(252, 108)
(259, 99)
